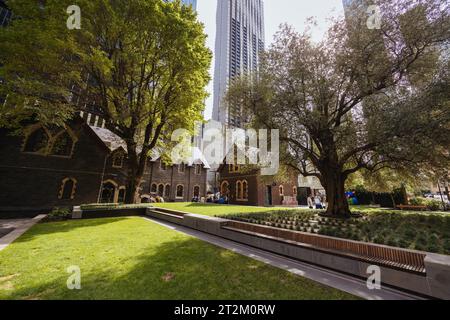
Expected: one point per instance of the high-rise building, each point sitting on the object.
(239, 42)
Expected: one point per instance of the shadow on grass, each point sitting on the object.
(180, 269)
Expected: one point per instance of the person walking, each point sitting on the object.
(310, 202)
(318, 202)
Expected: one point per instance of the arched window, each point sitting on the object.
(244, 190)
(239, 190)
(161, 190)
(198, 169)
(37, 141)
(180, 191)
(118, 159)
(122, 193)
(162, 165)
(224, 188)
(294, 191)
(108, 193)
(154, 188)
(62, 145)
(167, 191)
(281, 191)
(196, 191)
(68, 188)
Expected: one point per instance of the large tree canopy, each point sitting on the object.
(360, 99)
(142, 63)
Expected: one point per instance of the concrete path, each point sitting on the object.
(19, 226)
(324, 276)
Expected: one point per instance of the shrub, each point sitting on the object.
(418, 201)
(59, 213)
(433, 204)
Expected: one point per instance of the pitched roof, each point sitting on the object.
(113, 142)
(110, 139)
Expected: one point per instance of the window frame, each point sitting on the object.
(63, 186)
(176, 192)
(116, 155)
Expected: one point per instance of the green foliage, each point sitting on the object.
(113, 206)
(59, 213)
(144, 64)
(351, 96)
(431, 204)
(427, 232)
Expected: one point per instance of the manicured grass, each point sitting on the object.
(212, 209)
(133, 258)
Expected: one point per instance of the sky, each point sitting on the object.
(293, 12)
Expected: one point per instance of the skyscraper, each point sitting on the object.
(239, 42)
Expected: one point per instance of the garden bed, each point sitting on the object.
(424, 232)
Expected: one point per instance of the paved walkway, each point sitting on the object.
(18, 227)
(324, 276)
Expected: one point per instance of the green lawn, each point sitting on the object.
(133, 258)
(212, 209)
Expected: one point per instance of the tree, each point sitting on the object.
(142, 63)
(346, 103)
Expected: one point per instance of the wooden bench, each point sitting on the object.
(413, 208)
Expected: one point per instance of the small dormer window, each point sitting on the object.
(37, 141)
(162, 166)
(181, 168)
(118, 160)
(62, 145)
(198, 169)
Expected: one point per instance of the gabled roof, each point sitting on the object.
(110, 139)
(113, 142)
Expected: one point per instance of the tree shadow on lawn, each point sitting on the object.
(64, 227)
(177, 270)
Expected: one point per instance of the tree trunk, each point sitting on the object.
(132, 190)
(136, 166)
(334, 183)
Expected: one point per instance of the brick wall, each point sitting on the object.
(32, 182)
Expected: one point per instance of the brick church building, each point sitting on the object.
(82, 163)
(248, 187)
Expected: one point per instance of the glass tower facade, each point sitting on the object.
(239, 43)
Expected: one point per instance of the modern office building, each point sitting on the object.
(239, 42)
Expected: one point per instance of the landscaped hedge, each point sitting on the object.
(113, 206)
(425, 232)
(383, 199)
